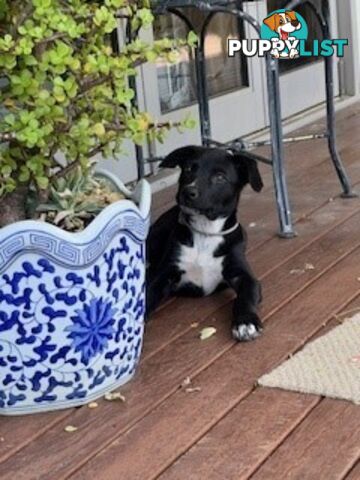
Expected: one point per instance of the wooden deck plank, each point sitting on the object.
(325, 446)
(83, 416)
(244, 438)
(224, 384)
(354, 473)
(17, 432)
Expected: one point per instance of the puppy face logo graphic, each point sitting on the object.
(283, 23)
(285, 28)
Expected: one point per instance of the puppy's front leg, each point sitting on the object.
(246, 324)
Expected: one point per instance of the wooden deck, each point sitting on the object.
(229, 429)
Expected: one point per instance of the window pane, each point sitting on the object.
(177, 83)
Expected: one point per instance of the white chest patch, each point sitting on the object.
(198, 263)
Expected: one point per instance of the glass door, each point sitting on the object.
(235, 85)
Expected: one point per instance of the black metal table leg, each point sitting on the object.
(330, 110)
(277, 149)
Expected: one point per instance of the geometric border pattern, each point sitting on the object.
(71, 253)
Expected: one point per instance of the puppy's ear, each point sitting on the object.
(272, 21)
(179, 156)
(248, 171)
(291, 14)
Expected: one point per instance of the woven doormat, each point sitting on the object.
(328, 366)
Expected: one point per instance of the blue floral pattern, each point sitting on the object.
(71, 321)
(92, 328)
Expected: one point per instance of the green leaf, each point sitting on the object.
(10, 119)
(24, 175)
(6, 170)
(146, 17)
(99, 129)
(42, 182)
(189, 123)
(192, 39)
(44, 94)
(30, 60)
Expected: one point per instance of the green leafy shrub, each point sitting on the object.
(62, 88)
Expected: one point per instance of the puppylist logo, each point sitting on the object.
(284, 34)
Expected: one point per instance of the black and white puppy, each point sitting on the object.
(198, 246)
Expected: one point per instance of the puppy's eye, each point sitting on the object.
(219, 177)
(288, 19)
(188, 168)
(281, 21)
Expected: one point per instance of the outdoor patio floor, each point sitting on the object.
(229, 428)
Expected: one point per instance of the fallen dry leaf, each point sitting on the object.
(207, 332)
(70, 429)
(113, 396)
(187, 386)
(309, 266)
(296, 271)
(192, 389)
(93, 405)
(186, 382)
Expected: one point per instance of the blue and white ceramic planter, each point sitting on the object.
(71, 307)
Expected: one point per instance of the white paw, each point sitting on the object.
(294, 53)
(245, 333)
(275, 53)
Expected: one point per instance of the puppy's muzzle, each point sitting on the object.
(190, 193)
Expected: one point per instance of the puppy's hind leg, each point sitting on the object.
(159, 289)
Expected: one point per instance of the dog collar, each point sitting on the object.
(232, 229)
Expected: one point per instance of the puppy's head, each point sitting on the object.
(283, 23)
(211, 179)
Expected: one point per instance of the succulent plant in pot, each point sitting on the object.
(71, 304)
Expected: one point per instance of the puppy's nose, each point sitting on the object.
(191, 192)
(295, 23)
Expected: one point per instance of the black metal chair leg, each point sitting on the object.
(281, 192)
(330, 111)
